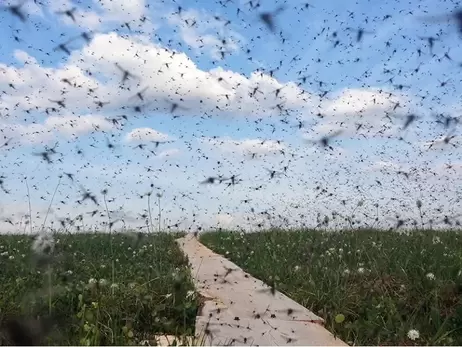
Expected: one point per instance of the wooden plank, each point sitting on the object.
(241, 310)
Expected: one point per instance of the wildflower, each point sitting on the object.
(4, 254)
(92, 282)
(296, 268)
(168, 295)
(361, 270)
(102, 282)
(430, 276)
(413, 334)
(11, 257)
(114, 286)
(436, 239)
(346, 272)
(69, 272)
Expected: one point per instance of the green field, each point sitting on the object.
(101, 290)
(371, 287)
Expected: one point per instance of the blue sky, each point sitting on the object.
(221, 129)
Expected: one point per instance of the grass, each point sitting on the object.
(371, 287)
(102, 292)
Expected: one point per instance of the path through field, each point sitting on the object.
(242, 310)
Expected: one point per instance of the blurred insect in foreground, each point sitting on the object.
(456, 16)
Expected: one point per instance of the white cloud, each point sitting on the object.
(84, 19)
(121, 10)
(363, 112)
(69, 126)
(145, 134)
(169, 153)
(246, 146)
(171, 76)
(382, 165)
(77, 125)
(200, 31)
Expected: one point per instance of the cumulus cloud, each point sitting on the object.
(169, 153)
(384, 165)
(83, 18)
(91, 82)
(200, 90)
(245, 146)
(77, 125)
(200, 31)
(144, 135)
(122, 10)
(364, 112)
(67, 126)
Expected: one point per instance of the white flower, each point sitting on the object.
(361, 270)
(296, 268)
(102, 282)
(92, 282)
(413, 334)
(4, 254)
(168, 295)
(114, 286)
(69, 272)
(430, 276)
(11, 257)
(436, 239)
(346, 272)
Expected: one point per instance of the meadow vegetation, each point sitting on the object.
(100, 289)
(371, 287)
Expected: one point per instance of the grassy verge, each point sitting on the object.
(101, 292)
(371, 287)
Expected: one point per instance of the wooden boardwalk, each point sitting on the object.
(239, 309)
